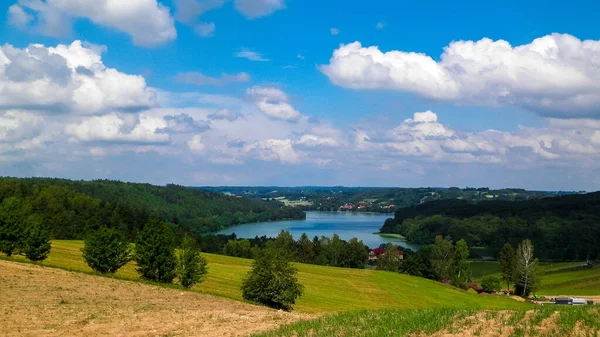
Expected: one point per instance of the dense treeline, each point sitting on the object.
(322, 250)
(561, 228)
(70, 209)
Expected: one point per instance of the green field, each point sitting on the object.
(560, 278)
(544, 321)
(327, 289)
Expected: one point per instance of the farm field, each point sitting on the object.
(445, 322)
(327, 289)
(560, 278)
(39, 301)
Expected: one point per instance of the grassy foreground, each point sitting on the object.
(327, 289)
(544, 321)
(560, 278)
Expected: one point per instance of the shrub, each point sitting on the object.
(36, 243)
(106, 250)
(191, 266)
(491, 284)
(154, 252)
(272, 281)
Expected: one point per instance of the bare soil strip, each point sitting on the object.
(38, 301)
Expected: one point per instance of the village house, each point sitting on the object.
(373, 254)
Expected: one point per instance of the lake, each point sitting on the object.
(347, 225)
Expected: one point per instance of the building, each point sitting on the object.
(379, 251)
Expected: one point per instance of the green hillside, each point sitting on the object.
(328, 289)
(70, 208)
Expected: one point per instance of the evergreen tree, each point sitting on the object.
(305, 250)
(106, 250)
(442, 258)
(272, 281)
(390, 260)
(528, 273)
(154, 252)
(191, 266)
(357, 254)
(36, 243)
(507, 261)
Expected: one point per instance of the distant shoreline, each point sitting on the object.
(392, 236)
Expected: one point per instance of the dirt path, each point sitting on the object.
(37, 301)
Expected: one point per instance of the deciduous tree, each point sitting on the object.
(191, 266)
(106, 250)
(272, 281)
(154, 252)
(528, 273)
(390, 260)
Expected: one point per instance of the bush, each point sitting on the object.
(36, 244)
(272, 281)
(191, 266)
(154, 252)
(106, 250)
(491, 284)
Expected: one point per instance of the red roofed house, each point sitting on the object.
(378, 251)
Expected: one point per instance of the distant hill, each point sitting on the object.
(375, 199)
(561, 228)
(71, 208)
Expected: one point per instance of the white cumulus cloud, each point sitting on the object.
(273, 102)
(114, 128)
(67, 78)
(148, 22)
(554, 75)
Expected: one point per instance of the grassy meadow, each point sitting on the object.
(327, 289)
(559, 278)
(544, 321)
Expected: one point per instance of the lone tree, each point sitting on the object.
(507, 260)
(191, 266)
(273, 280)
(390, 260)
(106, 250)
(36, 243)
(528, 274)
(154, 252)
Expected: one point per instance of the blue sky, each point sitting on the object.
(384, 93)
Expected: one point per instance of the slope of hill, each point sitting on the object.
(328, 289)
(39, 301)
(71, 208)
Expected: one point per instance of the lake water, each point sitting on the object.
(345, 224)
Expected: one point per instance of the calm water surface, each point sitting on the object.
(345, 224)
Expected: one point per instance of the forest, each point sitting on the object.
(70, 209)
(563, 228)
